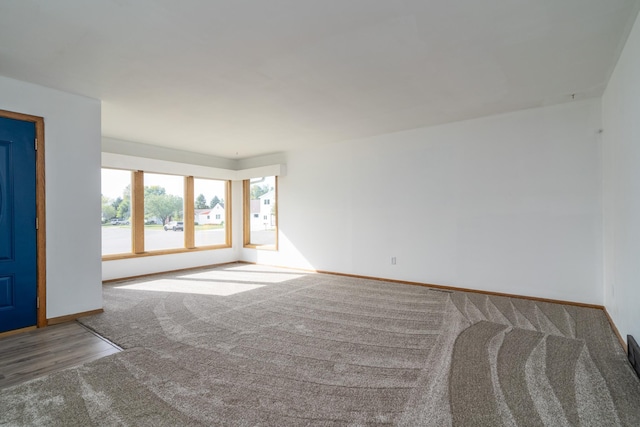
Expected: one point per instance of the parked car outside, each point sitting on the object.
(174, 225)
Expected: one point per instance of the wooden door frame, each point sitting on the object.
(41, 235)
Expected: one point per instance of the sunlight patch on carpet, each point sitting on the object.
(191, 287)
(244, 276)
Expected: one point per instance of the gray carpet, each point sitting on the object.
(251, 345)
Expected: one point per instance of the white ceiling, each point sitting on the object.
(240, 78)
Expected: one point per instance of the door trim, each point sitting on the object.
(41, 235)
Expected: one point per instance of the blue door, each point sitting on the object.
(18, 285)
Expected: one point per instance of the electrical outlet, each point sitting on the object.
(393, 260)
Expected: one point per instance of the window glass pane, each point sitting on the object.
(116, 211)
(262, 203)
(163, 212)
(210, 212)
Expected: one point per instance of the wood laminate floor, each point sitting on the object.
(35, 353)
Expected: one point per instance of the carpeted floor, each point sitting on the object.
(251, 345)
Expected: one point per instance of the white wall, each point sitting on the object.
(113, 145)
(138, 266)
(621, 153)
(72, 162)
(509, 203)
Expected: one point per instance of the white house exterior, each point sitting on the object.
(263, 212)
(214, 215)
(256, 222)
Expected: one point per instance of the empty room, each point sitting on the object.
(416, 213)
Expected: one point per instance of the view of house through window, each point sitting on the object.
(163, 212)
(209, 211)
(116, 211)
(260, 212)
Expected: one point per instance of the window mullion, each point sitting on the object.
(137, 217)
(246, 212)
(227, 214)
(189, 214)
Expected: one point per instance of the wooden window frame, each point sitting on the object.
(137, 213)
(189, 210)
(137, 221)
(246, 217)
